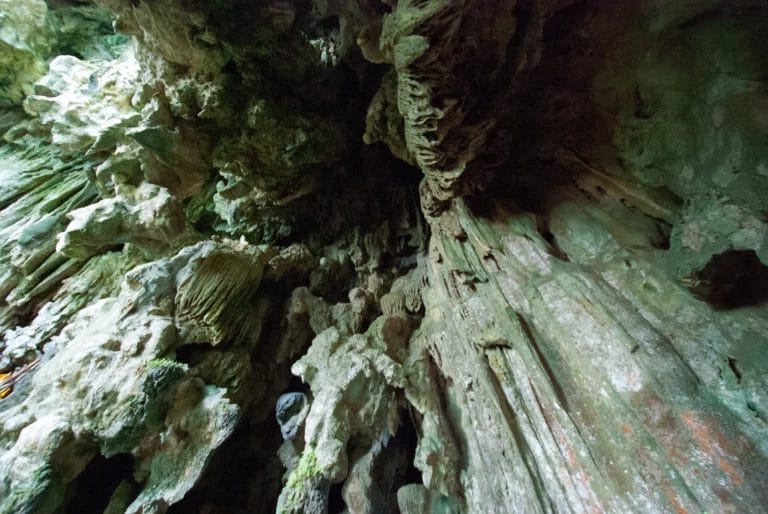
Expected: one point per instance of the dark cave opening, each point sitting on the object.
(732, 279)
(391, 468)
(102, 479)
(408, 439)
(243, 475)
(193, 354)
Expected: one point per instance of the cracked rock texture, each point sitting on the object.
(382, 256)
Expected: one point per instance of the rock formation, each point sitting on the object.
(381, 256)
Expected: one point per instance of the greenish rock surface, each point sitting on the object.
(24, 45)
(372, 257)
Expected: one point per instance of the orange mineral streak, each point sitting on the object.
(674, 500)
(6, 384)
(708, 439)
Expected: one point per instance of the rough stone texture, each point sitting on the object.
(40, 187)
(24, 42)
(85, 104)
(353, 384)
(224, 289)
(148, 216)
(111, 388)
(630, 434)
(291, 411)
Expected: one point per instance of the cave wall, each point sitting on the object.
(383, 256)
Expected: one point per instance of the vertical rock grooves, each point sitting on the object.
(383, 256)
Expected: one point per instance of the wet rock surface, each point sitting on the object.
(371, 256)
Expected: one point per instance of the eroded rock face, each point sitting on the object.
(24, 42)
(383, 256)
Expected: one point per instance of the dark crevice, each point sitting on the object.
(24, 317)
(549, 237)
(755, 411)
(642, 111)
(662, 239)
(230, 68)
(442, 384)
(524, 450)
(297, 385)
(192, 354)
(336, 503)
(409, 438)
(735, 369)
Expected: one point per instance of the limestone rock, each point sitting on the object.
(170, 423)
(39, 188)
(24, 44)
(148, 216)
(87, 104)
(418, 499)
(291, 411)
(351, 381)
